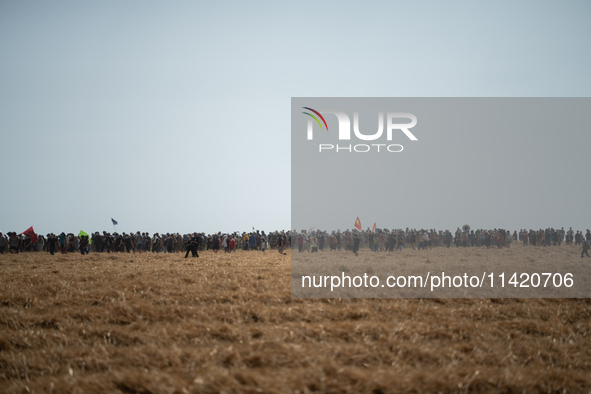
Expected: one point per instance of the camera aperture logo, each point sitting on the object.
(344, 133)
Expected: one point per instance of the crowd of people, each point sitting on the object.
(377, 240)
(142, 242)
(396, 240)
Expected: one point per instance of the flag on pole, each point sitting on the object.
(311, 230)
(31, 233)
(358, 224)
(114, 222)
(374, 228)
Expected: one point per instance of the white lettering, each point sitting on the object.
(366, 146)
(395, 151)
(344, 123)
(372, 137)
(404, 127)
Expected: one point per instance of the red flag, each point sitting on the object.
(374, 228)
(31, 233)
(358, 224)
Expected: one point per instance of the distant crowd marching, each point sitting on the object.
(142, 242)
(377, 240)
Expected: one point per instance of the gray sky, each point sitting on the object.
(175, 116)
(487, 162)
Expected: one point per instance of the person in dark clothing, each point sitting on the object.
(84, 244)
(281, 243)
(51, 243)
(118, 243)
(193, 246)
(169, 243)
(585, 250)
(71, 243)
(108, 243)
(3, 243)
(27, 243)
(156, 243)
(391, 241)
(356, 245)
(63, 243)
(128, 241)
(98, 242)
(14, 243)
(215, 243)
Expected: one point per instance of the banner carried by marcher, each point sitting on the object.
(358, 224)
(83, 233)
(31, 233)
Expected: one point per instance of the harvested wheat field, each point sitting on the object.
(145, 323)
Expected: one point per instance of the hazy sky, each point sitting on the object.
(487, 162)
(175, 116)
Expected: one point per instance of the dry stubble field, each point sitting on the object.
(144, 323)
